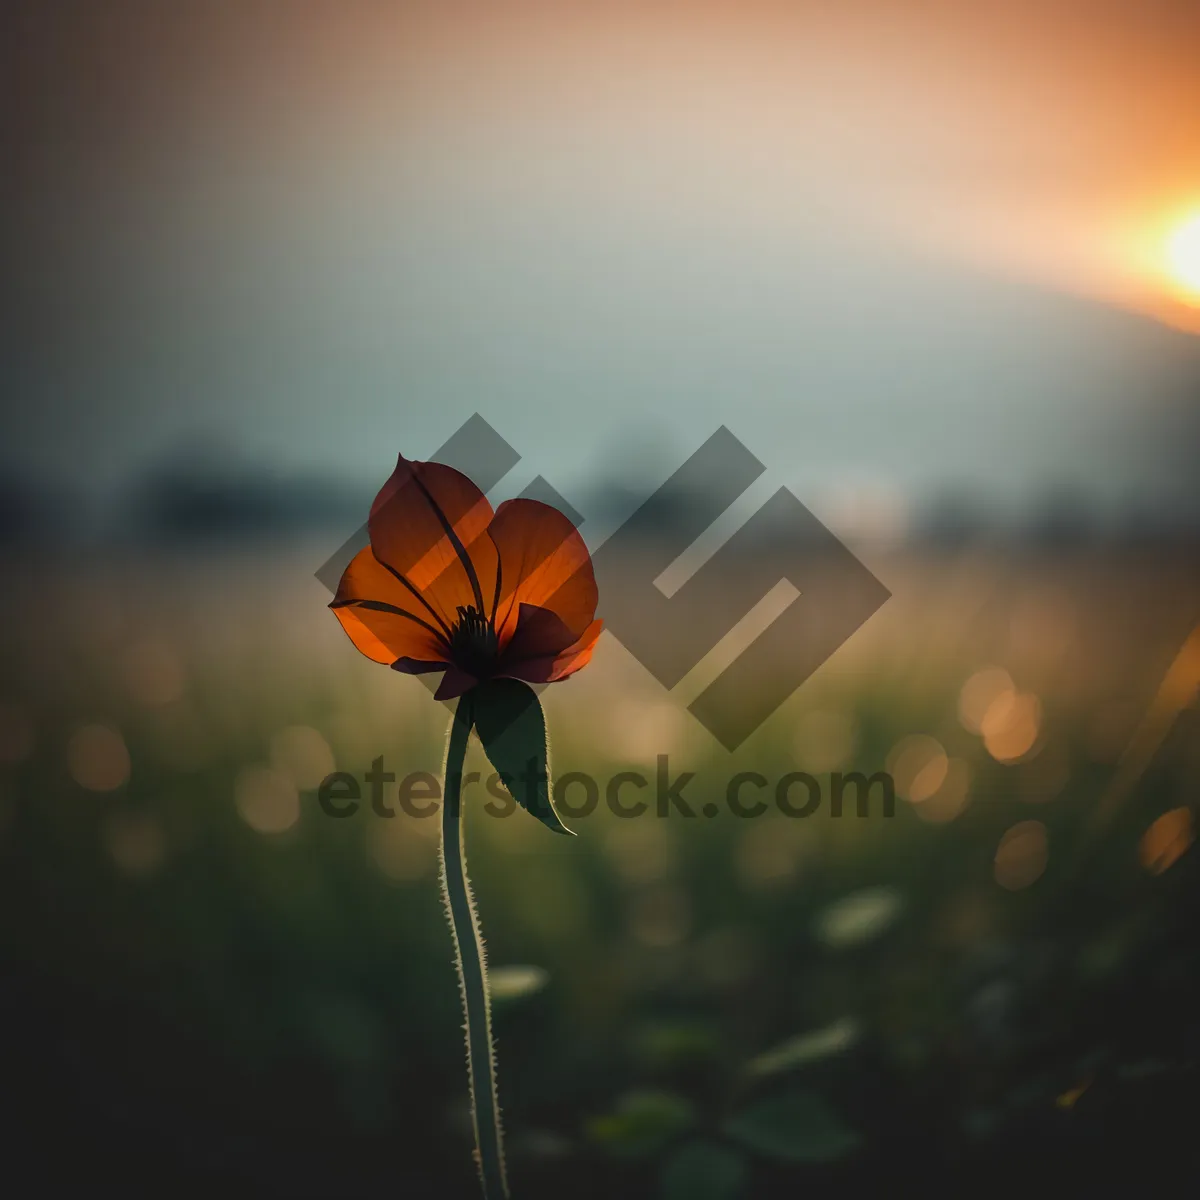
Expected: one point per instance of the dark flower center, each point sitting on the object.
(473, 643)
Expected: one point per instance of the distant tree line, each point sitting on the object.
(196, 500)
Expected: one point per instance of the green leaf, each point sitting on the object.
(642, 1123)
(797, 1126)
(509, 721)
(703, 1171)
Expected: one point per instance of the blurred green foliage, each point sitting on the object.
(207, 979)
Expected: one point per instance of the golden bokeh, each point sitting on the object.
(266, 799)
(1167, 840)
(1022, 855)
(303, 755)
(98, 758)
(979, 693)
(918, 765)
(951, 796)
(1011, 725)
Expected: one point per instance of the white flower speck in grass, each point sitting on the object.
(512, 983)
(859, 917)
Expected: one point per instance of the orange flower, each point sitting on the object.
(448, 584)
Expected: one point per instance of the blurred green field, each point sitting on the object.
(207, 978)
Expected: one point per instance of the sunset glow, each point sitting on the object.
(1183, 254)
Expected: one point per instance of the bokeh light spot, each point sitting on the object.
(98, 758)
(303, 755)
(136, 843)
(1011, 725)
(979, 693)
(1022, 855)
(266, 799)
(1167, 840)
(951, 795)
(918, 766)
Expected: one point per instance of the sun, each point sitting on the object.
(1183, 255)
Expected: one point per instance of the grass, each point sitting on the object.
(209, 977)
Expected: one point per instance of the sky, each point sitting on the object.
(900, 249)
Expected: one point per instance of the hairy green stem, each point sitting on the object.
(472, 965)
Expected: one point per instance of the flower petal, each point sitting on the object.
(416, 666)
(454, 683)
(428, 526)
(539, 633)
(381, 617)
(576, 657)
(551, 669)
(543, 562)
